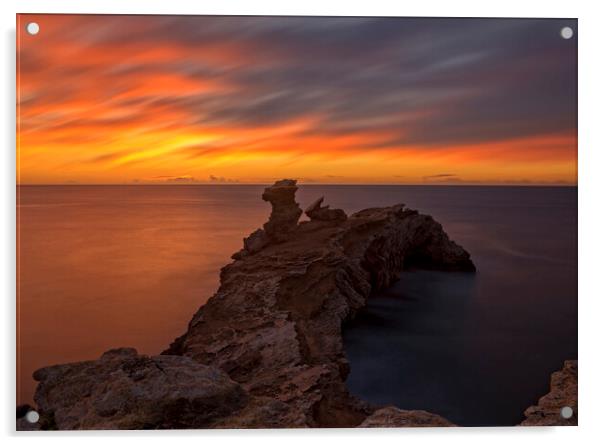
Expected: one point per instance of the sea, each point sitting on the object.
(100, 267)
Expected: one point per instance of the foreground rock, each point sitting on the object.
(273, 326)
(563, 393)
(23, 424)
(391, 417)
(124, 390)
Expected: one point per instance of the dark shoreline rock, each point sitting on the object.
(392, 417)
(124, 390)
(273, 326)
(563, 393)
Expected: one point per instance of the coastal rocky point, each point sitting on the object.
(266, 350)
(562, 395)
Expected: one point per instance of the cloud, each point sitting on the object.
(213, 89)
(222, 180)
(449, 178)
(440, 175)
(185, 179)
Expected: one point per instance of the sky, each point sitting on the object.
(107, 99)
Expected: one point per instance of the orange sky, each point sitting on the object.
(108, 99)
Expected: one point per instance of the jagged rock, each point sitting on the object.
(316, 212)
(255, 241)
(392, 417)
(563, 393)
(283, 218)
(274, 326)
(285, 210)
(124, 390)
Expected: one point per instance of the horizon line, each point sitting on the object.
(517, 184)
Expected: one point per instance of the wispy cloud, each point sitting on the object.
(310, 96)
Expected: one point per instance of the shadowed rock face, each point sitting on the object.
(563, 393)
(273, 326)
(124, 390)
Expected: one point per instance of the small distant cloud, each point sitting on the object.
(307, 180)
(440, 176)
(184, 179)
(448, 178)
(221, 180)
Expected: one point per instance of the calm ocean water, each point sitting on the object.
(107, 266)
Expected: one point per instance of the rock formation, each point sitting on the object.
(563, 393)
(316, 212)
(124, 390)
(391, 417)
(283, 219)
(285, 211)
(273, 326)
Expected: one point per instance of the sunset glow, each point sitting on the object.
(183, 99)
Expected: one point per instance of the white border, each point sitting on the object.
(590, 246)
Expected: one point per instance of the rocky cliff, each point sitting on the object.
(266, 350)
(562, 395)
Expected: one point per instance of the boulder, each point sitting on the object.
(316, 212)
(125, 390)
(392, 417)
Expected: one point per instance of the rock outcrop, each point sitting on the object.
(124, 390)
(283, 219)
(392, 417)
(316, 212)
(273, 326)
(285, 210)
(563, 393)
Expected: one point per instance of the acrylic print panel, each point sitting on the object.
(269, 222)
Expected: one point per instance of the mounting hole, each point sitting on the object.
(32, 28)
(32, 416)
(566, 32)
(566, 412)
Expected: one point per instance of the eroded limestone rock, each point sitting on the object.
(274, 324)
(285, 210)
(273, 327)
(316, 212)
(392, 417)
(124, 390)
(563, 393)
